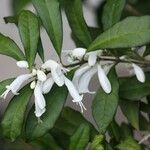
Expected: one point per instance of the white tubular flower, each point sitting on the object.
(78, 75)
(105, 83)
(56, 71)
(22, 64)
(83, 86)
(39, 100)
(41, 75)
(78, 53)
(139, 73)
(92, 58)
(77, 98)
(47, 85)
(16, 84)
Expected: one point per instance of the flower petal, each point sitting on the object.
(85, 81)
(105, 83)
(22, 64)
(78, 53)
(73, 91)
(78, 74)
(92, 58)
(139, 73)
(41, 75)
(47, 85)
(39, 98)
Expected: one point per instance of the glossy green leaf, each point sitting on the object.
(124, 34)
(131, 111)
(50, 14)
(18, 5)
(76, 20)
(112, 12)
(105, 105)
(144, 123)
(12, 123)
(129, 144)
(29, 31)
(55, 100)
(9, 48)
(135, 90)
(80, 138)
(3, 85)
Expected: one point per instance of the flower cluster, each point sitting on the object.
(52, 72)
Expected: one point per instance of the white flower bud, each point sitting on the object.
(78, 53)
(22, 64)
(32, 85)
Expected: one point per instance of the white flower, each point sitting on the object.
(57, 73)
(15, 86)
(139, 73)
(47, 85)
(32, 85)
(22, 64)
(39, 100)
(78, 53)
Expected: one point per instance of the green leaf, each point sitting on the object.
(131, 111)
(47, 142)
(129, 144)
(135, 90)
(105, 105)
(55, 100)
(9, 48)
(3, 85)
(144, 124)
(112, 12)
(12, 123)
(80, 138)
(50, 14)
(124, 34)
(18, 5)
(40, 49)
(73, 9)
(29, 31)
(11, 19)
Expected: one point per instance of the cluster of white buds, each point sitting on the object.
(42, 83)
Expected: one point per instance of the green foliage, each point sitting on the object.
(80, 138)
(76, 20)
(112, 12)
(12, 123)
(124, 34)
(49, 12)
(105, 105)
(29, 31)
(9, 48)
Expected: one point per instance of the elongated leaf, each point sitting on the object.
(40, 49)
(54, 104)
(3, 85)
(135, 90)
(105, 105)
(14, 116)
(124, 34)
(112, 12)
(18, 5)
(80, 138)
(49, 12)
(9, 48)
(129, 144)
(131, 111)
(144, 124)
(145, 107)
(76, 20)
(29, 31)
